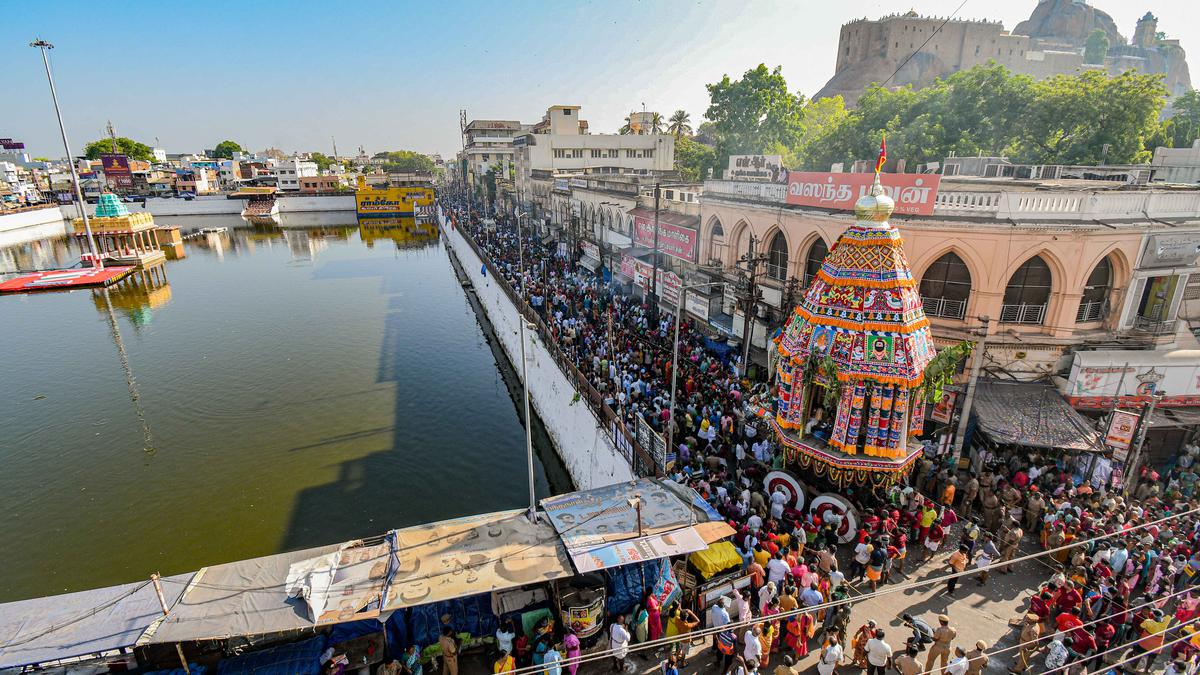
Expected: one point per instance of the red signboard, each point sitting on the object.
(116, 169)
(913, 192)
(674, 240)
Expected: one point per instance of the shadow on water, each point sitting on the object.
(432, 437)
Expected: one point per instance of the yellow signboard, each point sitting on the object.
(390, 201)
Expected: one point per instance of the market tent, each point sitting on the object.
(600, 527)
(79, 624)
(468, 556)
(248, 597)
(1032, 415)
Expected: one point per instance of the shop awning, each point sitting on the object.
(81, 624)
(248, 597)
(1032, 415)
(600, 527)
(616, 239)
(589, 262)
(468, 556)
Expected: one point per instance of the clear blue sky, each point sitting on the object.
(393, 75)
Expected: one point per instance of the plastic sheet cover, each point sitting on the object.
(83, 623)
(473, 555)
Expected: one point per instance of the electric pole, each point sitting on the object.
(334, 141)
(749, 297)
(654, 277)
(976, 365)
(112, 135)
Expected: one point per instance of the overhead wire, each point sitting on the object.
(898, 588)
(918, 49)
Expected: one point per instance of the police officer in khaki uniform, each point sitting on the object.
(1033, 509)
(970, 493)
(991, 511)
(1031, 631)
(977, 660)
(943, 635)
(1009, 543)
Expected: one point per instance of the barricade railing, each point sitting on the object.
(625, 442)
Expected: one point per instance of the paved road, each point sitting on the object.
(977, 612)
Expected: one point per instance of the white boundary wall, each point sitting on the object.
(218, 205)
(583, 444)
(17, 221)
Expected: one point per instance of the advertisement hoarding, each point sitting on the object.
(913, 193)
(674, 240)
(116, 169)
(1121, 428)
(756, 167)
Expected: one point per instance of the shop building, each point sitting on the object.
(1057, 266)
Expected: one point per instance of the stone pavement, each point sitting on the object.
(977, 613)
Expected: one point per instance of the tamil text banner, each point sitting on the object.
(913, 193)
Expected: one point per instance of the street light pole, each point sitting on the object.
(976, 366)
(87, 224)
(525, 373)
(675, 358)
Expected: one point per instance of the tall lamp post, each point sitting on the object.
(62, 129)
(675, 356)
(525, 369)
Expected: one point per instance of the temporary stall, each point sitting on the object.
(73, 625)
(1032, 415)
(248, 597)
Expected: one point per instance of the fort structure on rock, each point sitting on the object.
(1050, 42)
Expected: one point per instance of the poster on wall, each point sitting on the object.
(914, 193)
(1121, 428)
(676, 241)
(116, 169)
(943, 410)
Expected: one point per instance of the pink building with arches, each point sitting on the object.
(1054, 265)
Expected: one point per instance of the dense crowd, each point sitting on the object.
(1122, 578)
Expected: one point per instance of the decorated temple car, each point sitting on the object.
(852, 359)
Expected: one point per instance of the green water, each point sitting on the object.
(298, 387)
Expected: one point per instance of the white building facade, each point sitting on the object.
(289, 172)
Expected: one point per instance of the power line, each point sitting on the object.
(931, 35)
(899, 588)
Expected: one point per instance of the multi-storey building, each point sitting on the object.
(288, 173)
(489, 145)
(1056, 265)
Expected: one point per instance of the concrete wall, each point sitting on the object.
(16, 221)
(583, 444)
(217, 205)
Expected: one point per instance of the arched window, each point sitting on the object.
(1093, 306)
(777, 257)
(946, 287)
(716, 241)
(812, 263)
(1027, 293)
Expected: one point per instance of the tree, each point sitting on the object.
(225, 150)
(405, 161)
(754, 113)
(706, 133)
(1096, 47)
(656, 123)
(678, 124)
(692, 159)
(627, 128)
(1185, 119)
(125, 146)
(1091, 118)
(322, 160)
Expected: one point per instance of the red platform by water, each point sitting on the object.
(58, 279)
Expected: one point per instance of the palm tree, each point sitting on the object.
(656, 123)
(679, 124)
(628, 128)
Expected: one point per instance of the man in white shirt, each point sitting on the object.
(879, 654)
(718, 615)
(958, 664)
(777, 570)
(753, 647)
(779, 500)
(754, 523)
(618, 642)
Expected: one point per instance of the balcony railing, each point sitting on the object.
(1019, 203)
(1026, 314)
(945, 308)
(1091, 311)
(1155, 326)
